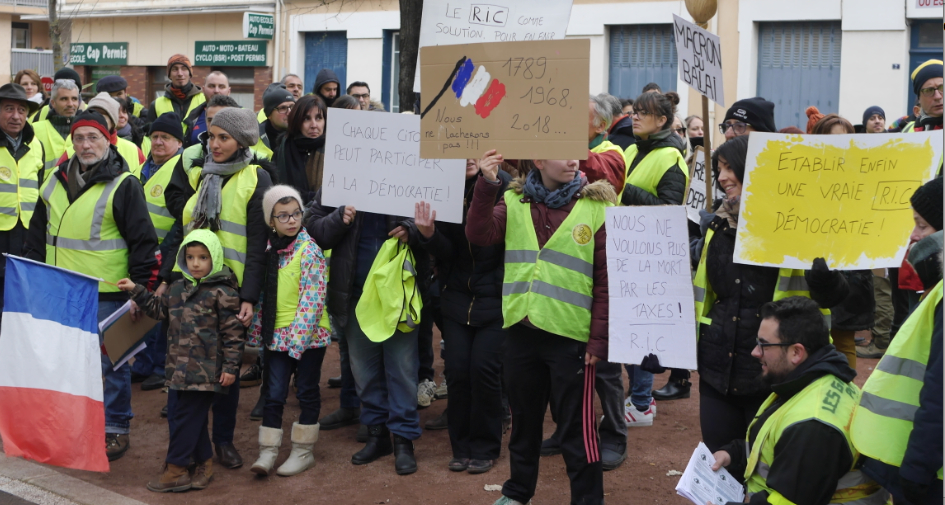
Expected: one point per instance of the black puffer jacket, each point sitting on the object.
(725, 346)
(470, 276)
(857, 311)
(326, 226)
(671, 189)
(621, 132)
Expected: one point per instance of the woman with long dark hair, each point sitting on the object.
(300, 152)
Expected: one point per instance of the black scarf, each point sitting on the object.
(270, 299)
(296, 150)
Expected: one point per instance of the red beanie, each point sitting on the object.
(813, 115)
(93, 119)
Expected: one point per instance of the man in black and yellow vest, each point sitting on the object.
(798, 448)
(52, 131)
(46, 111)
(91, 217)
(21, 169)
(116, 86)
(181, 95)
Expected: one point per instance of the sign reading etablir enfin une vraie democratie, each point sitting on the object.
(98, 53)
(232, 53)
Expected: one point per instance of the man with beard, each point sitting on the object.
(798, 448)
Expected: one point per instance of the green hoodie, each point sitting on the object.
(212, 243)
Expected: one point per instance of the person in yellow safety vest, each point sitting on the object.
(224, 194)
(116, 86)
(21, 169)
(216, 83)
(130, 127)
(53, 130)
(181, 95)
(277, 103)
(109, 107)
(797, 449)
(554, 304)
(898, 423)
(728, 298)
(47, 110)
(92, 218)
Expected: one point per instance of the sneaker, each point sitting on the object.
(653, 405)
(441, 392)
(505, 500)
(251, 377)
(636, 417)
(440, 422)
(116, 445)
(426, 390)
(550, 447)
(871, 351)
(155, 381)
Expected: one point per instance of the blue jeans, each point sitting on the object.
(150, 361)
(641, 386)
(386, 377)
(349, 393)
(117, 383)
(308, 372)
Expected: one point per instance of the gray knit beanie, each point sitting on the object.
(241, 124)
(276, 193)
(105, 102)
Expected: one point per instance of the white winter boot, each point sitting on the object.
(269, 441)
(300, 459)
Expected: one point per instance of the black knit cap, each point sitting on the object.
(68, 73)
(168, 123)
(756, 111)
(274, 96)
(927, 201)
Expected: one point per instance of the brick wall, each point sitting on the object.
(200, 75)
(262, 77)
(137, 78)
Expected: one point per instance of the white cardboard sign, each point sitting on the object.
(651, 301)
(373, 163)
(699, 56)
(695, 197)
(452, 22)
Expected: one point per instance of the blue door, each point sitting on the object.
(325, 50)
(799, 66)
(925, 44)
(639, 55)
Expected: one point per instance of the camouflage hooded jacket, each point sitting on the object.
(204, 337)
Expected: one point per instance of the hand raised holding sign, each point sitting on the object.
(489, 165)
(424, 219)
(348, 214)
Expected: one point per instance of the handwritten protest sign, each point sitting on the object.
(699, 55)
(841, 197)
(471, 21)
(696, 196)
(651, 304)
(372, 162)
(528, 100)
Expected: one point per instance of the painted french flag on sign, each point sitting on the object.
(51, 400)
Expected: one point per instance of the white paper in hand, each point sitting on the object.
(700, 485)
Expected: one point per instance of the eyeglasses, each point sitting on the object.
(640, 113)
(762, 344)
(681, 131)
(359, 97)
(739, 127)
(284, 218)
(92, 139)
(284, 109)
(930, 91)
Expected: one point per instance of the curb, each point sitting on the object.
(47, 479)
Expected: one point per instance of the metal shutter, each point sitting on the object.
(799, 66)
(325, 50)
(641, 54)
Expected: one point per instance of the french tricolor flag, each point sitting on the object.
(51, 400)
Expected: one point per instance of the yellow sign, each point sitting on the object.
(841, 197)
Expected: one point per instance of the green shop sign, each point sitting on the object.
(230, 53)
(258, 26)
(99, 53)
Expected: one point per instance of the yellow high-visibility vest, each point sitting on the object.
(391, 301)
(647, 174)
(163, 105)
(161, 217)
(19, 185)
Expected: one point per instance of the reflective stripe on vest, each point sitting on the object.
(83, 236)
(163, 105)
(154, 188)
(234, 198)
(19, 185)
(827, 400)
(891, 393)
(648, 172)
(551, 286)
(53, 143)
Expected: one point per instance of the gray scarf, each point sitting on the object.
(206, 212)
(553, 199)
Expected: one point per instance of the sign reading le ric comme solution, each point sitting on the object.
(98, 53)
(230, 53)
(258, 26)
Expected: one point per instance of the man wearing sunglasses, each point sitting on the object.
(927, 84)
(748, 115)
(798, 448)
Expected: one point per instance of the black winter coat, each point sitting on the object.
(725, 346)
(671, 189)
(470, 275)
(858, 310)
(621, 133)
(326, 226)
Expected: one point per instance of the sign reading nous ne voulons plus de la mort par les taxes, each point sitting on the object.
(232, 53)
(258, 26)
(98, 53)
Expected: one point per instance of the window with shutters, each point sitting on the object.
(799, 66)
(325, 50)
(641, 54)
